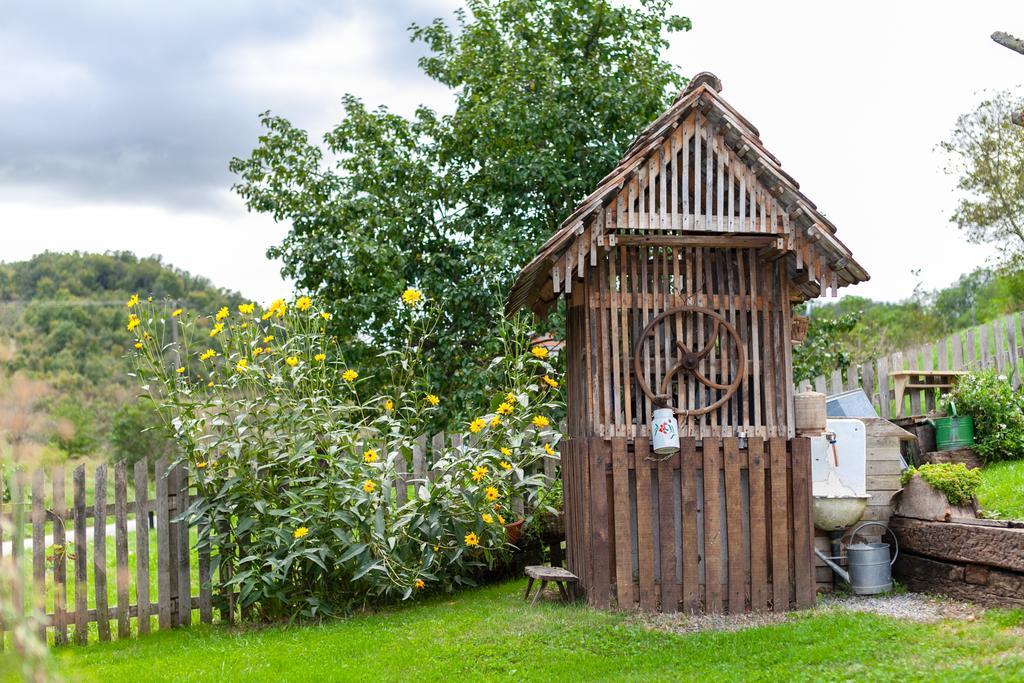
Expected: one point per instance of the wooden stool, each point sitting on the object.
(560, 577)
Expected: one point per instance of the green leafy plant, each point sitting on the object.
(296, 459)
(824, 349)
(954, 479)
(998, 414)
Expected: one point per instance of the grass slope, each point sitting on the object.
(1002, 489)
(490, 633)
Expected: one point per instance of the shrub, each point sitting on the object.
(954, 479)
(137, 434)
(295, 459)
(998, 413)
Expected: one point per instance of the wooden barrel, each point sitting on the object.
(810, 413)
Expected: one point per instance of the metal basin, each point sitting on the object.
(835, 513)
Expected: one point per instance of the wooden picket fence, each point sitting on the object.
(70, 558)
(996, 344)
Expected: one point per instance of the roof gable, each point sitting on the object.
(698, 172)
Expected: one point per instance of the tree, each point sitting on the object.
(987, 156)
(825, 348)
(547, 97)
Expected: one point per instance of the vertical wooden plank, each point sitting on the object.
(60, 566)
(99, 553)
(670, 590)
(142, 544)
(734, 526)
(205, 577)
(712, 526)
(803, 531)
(599, 592)
(401, 479)
(2, 546)
(184, 550)
(688, 520)
(39, 546)
(758, 538)
(685, 168)
(163, 545)
(81, 559)
(419, 461)
(645, 526)
(121, 547)
(623, 525)
(779, 526)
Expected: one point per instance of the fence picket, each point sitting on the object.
(99, 552)
(163, 545)
(181, 503)
(121, 547)
(81, 559)
(39, 545)
(142, 544)
(60, 588)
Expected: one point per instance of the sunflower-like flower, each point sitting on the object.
(539, 352)
(411, 297)
(540, 422)
(477, 425)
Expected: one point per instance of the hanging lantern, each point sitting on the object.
(665, 432)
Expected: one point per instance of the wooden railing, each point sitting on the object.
(996, 344)
(156, 580)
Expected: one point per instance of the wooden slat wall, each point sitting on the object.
(631, 286)
(995, 345)
(742, 507)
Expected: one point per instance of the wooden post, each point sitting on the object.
(81, 559)
(121, 547)
(99, 552)
(163, 545)
(142, 544)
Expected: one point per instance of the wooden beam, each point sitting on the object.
(723, 240)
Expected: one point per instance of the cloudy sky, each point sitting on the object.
(117, 119)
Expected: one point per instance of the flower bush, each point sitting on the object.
(295, 460)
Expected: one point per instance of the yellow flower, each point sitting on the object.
(479, 473)
(349, 375)
(133, 300)
(506, 409)
(476, 425)
(539, 352)
(242, 365)
(246, 309)
(256, 352)
(320, 357)
(300, 532)
(507, 452)
(411, 297)
(267, 349)
(217, 329)
(146, 336)
(487, 518)
(133, 322)
(432, 399)
(201, 465)
(369, 486)
(222, 313)
(419, 584)
(471, 539)
(491, 493)
(304, 303)
(269, 338)
(501, 520)
(370, 455)
(210, 384)
(138, 345)
(292, 361)
(389, 404)
(540, 422)
(149, 298)
(277, 307)
(549, 450)
(326, 316)
(553, 383)
(208, 354)
(176, 312)
(180, 371)
(510, 398)
(505, 465)
(495, 422)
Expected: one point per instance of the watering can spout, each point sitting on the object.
(835, 567)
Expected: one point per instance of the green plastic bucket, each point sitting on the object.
(953, 432)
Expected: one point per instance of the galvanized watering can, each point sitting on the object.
(870, 567)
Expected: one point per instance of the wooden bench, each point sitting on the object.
(905, 380)
(563, 578)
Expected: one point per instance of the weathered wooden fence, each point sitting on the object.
(996, 344)
(165, 583)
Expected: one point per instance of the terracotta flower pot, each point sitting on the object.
(514, 531)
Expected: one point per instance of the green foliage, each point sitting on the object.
(73, 431)
(998, 413)
(987, 157)
(954, 479)
(1001, 494)
(137, 434)
(294, 453)
(824, 349)
(547, 97)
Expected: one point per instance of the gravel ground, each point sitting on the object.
(911, 606)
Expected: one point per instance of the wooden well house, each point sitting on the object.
(679, 273)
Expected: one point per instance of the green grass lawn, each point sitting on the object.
(1002, 489)
(490, 634)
